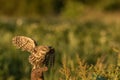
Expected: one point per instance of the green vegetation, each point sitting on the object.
(84, 33)
(84, 50)
(53, 7)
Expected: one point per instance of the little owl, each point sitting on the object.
(40, 55)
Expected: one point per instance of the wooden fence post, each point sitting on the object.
(37, 74)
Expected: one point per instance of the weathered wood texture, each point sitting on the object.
(37, 74)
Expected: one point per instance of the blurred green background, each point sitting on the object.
(88, 28)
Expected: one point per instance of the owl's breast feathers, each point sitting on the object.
(42, 55)
(36, 61)
(38, 55)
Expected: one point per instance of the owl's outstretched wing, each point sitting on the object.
(50, 58)
(24, 43)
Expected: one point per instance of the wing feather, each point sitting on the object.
(50, 58)
(25, 43)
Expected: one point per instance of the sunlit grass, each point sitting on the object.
(83, 71)
(84, 50)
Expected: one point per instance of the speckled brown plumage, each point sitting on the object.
(40, 55)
